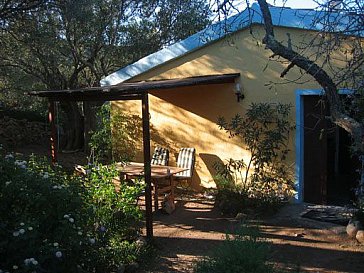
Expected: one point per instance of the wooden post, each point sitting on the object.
(52, 123)
(147, 168)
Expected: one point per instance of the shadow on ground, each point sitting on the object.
(299, 244)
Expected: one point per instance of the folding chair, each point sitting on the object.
(186, 159)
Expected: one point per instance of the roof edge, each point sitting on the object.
(282, 17)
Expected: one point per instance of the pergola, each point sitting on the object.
(127, 91)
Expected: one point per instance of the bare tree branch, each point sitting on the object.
(338, 114)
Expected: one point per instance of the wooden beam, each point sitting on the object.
(90, 97)
(53, 138)
(131, 90)
(147, 168)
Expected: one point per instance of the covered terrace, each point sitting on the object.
(127, 91)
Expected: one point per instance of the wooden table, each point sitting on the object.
(158, 172)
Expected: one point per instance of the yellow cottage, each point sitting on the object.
(187, 116)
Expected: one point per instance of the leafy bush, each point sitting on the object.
(232, 198)
(264, 180)
(245, 252)
(53, 222)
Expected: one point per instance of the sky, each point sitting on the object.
(295, 3)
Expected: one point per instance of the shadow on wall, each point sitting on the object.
(210, 161)
(128, 137)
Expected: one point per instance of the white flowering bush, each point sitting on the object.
(54, 222)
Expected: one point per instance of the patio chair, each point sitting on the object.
(160, 156)
(186, 159)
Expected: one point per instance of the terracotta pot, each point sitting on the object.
(360, 236)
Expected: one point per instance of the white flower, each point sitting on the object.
(22, 224)
(9, 156)
(30, 228)
(15, 267)
(55, 187)
(71, 220)
(66, 216)
(6, 184)
(55, 244)
(30, 260)
(22, 231)
(21, 164)
(58, 254)
(16, 233)
(92, 241)
(79, 233)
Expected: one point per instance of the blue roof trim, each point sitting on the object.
(285, 17)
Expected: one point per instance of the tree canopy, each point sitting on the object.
(66, 44)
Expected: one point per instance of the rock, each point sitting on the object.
(360, 236)
(121, 268)
(352, 228)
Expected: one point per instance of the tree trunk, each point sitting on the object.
(90, 110)
(73, 126)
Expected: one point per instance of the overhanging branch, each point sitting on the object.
(338, 114)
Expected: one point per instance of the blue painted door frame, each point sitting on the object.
(299, 168)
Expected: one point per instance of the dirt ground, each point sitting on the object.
(300, 244)
(197, 226)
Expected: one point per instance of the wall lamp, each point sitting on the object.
(239, 92)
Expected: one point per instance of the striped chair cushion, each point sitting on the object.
(186, 159)
(160, 156)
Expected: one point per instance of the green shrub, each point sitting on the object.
(114, 138)
(265, 180)
(244, 252)
(53, 222)
(232, 198)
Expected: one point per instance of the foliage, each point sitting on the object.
(232, 199)
(244, 251)
(265, 180)
(11, 10)
(265, 130)
(53, 222)
(114, 138)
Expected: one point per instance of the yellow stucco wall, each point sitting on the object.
(186, 117)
